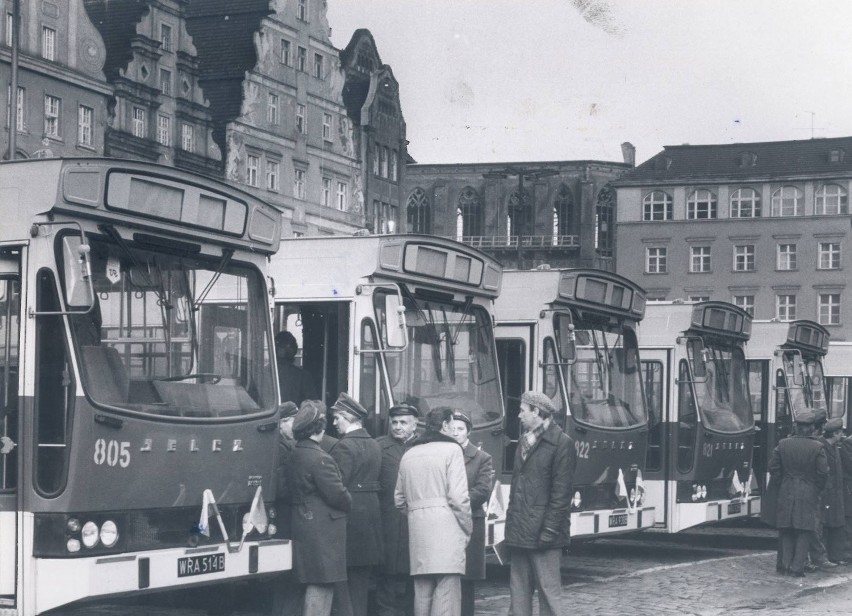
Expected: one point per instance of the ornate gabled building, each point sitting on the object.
(371, 97)
(763, 225)
(276, 86)
(525, 214)
(158, 111)
(60, 106)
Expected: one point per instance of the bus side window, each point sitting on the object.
(54, 393)
(511, 361)
(370, 382)
(653, 373)
(10, 305)
(783, 419)
(687, 419)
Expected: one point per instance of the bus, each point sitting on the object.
(139, 433)
(837, 364)
(698, 468)
(395, 319)
(786, 376)
(571, 334)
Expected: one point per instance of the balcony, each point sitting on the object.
(509, 242)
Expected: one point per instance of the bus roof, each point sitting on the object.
(806, 336)
(665, 321)
(141, 195)
(526, 292)
(838, 361)
(334, 266)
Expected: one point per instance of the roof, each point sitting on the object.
(771, 159)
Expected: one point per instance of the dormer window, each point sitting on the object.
(748, 159)
(837, 155)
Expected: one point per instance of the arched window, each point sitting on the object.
(745, 203)
(701, 205)
(787, 201)
(563, 215)
(517, 214)
(657, 205)
(832, 199)
(470, 210)
(605, 221)
(418, 214)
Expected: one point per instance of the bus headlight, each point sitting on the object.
(73, 525)
(90, 534)
(703, 491)
(271, 530)
(270, 512)
(73, 545)
(109, 533)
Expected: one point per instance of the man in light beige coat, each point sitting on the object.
(432, 490)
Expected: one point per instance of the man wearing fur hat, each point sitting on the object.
(539, 513)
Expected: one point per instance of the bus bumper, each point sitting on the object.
(65, 580)
(734, 508)
(606, 522)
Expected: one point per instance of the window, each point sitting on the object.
(164, 130)
(383, 161)
(655, 260)
(699, 298)
(48, 43)
(302, 59)
(272, 174)
(829, 255)
(787, 201)
(300, 119)
(417, 212)
(701, 205)
(394, 166)
(699, 259)
(286, 59)
(325, 194)
(318, 68)
(52, 105)
(744, 258)
(746, 302)
(139, 122)
(85, 116)
(19, 108)
(657, 206)
(745, 203)
(165, 81)
(829, 308)
(342, 196)
(375, 152)
(326, 127)
(272, 109)
(10, 26)
(252, 166)
(785, 307)
(786, 257)
(299, 184)
(165, 37)
(187, 137)
(302, 10)
(831, 199)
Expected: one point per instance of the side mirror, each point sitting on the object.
(79, 292)
(567, 339)
(395, 326)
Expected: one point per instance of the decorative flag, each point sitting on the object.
(257, 515)
(204, 521)
(621, 487)
(496, 507)
(736, 485)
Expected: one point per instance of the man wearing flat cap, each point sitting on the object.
(394, 588)
(359, 458)
(800, 467)
(539, 513)
(828, 548)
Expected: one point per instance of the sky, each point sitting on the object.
(546, 80)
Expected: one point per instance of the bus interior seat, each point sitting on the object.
(105, 374)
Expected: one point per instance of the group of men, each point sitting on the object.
(809, 497)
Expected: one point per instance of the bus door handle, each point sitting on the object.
(266, 427)
(497, 431)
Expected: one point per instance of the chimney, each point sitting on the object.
(628, 151)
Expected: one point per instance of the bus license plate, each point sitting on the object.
(617, 519)
(199, 565)
(734, 508)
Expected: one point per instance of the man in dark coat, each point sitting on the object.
(394, 589)
(833, 514)
(359, 458)
(294, 383)
(846, 472)
(320, 503)
(800, 466)
(539, 514)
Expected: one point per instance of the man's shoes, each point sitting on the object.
(827, 565)
(810, 568)
(798, 574)
(841, 563)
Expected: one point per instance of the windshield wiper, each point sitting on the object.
(602, 370)
(468, 302)
(113, 234)
(227, 254)
(450, 342)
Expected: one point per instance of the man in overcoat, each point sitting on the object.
(432, 491)
(846, 472)
(320, 503)
(359, 458)
(833, 514)
(800, 466)
(539, 514)
(394, 590)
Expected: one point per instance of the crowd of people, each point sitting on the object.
(809, 496)
(405, 513)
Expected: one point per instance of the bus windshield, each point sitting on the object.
(449, 360)
(174, 335)
(805, 382)
(604, 384)
(720, 377)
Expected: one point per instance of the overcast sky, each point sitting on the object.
(513, 80)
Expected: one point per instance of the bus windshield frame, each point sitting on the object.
(174, 336)
(719, 376)
(450, 359)
(806, 384)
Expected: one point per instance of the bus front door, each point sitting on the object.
(514, 360)
(656, 369)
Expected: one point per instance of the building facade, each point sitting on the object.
(158, 111)
(60, 104)
(524, 214)
(762, 225)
